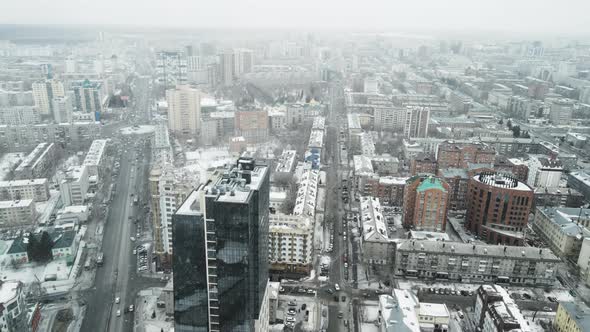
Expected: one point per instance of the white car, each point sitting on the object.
(118, 313)
(336, 287)
(290, 319)
(131, 307)
(132, 239)
(117, 300)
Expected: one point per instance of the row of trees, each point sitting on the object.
(516, 131)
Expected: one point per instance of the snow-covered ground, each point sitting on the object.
(369, 314)
(146, 305)
(8, 162)
(200, 160)
(31, 272)
(144, 129)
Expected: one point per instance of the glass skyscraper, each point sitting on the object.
(220, 251)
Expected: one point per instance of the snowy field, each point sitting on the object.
(139, 130)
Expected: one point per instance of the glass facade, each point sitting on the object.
(190, 279)
(221, 263)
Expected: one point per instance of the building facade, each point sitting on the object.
(184, 110)
(222, 230)
(498, 208)
(460, 155)
(464, 262)
(426, 200)
(290, 244)
(34, 189)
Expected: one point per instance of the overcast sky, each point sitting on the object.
(564, 16)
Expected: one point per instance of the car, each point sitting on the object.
(118, 313)
(135, 251)
(453, 293)
(281, 289)
(292, 303)
(340, 314)
(131, 307)
(310, 291)
(290, 319)
(132, 239)
(343, 298)
(547, 309)
(292, 311)
(336, 287)
(346, 265)
(460, 314)
(552, 298)
(301, 290)
(329, 291)
(117, 300)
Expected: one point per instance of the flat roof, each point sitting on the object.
(9, 290)
(286, 161)
(307, 193)
(374, 228)
(95, 152)
(467, 249)
(15, 203)
(362, 165)
(579, 312)
(500, 180)
(354, 121)
(22, 183)
(434, 309)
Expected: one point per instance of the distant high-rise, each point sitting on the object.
(561, 111)
(243, 61)
(226, 68)
(425, 203)
(416, 121)
(171, 68)
(220, 247)
(62, 109)
(44, 92)
(184, 110)
(88, 96)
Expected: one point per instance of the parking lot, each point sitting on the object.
(143, 260)
(298, 313)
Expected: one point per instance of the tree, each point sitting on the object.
(153, 314)
(32, 247)
(509, 124)
(45, 246)
(501, 122)
(516, 131)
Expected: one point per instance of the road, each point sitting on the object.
(118, 276)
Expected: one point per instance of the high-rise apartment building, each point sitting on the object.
(184, 110)
(498, 207)
(252, 124)
(544, 172)
(62, 109)
(44, 92)
(171, 68)
(227, 68)
(220, 259)
(243, 61)
(561, 111)
(88, 96)
(416, 121)
(425, 203)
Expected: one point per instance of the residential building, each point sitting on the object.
(16, 213)
(496, 311)
(402, 311)
(19, 115)
(572, 317)
(221, 229)
(457, 179)
(95, 160)
(227, 67)
(44, 92)
(377, 250)
(416, 121)
(580, 181)
(385, 164)
(465, 262)
(285, 164)
(290, 244)
(75, 136)
(62, 109)
(88, 96)
(184, 110)
(13, 311)
(307, 190)
(560, 111)
(155, 208)
(584, 258)
(217, 126)
(298, 112)
(426, 200)
(161, 147)
(498, 207)
(558, 196)
(511, 146)
(423, 163)
(388, 189)
(252, 125)
(563, 229)
(458, 155)
(73, 185)
(544, 172)
(41, 162)
(243, 61)
(34, 189)
(171, 68)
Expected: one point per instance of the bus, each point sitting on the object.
(99, 259)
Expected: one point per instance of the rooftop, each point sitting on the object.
(434, 309)
(391, 180)
(29, 160)
(399, 311)
(501, 181)
(307, 193)
(567, 219)
(318, 123)
(316, 139)
(579, 312)
(16, 203)
(354, 121)
(374, 228)
(286, 161)
(63, 239)
(431, 183)
(20, 183)
(466, 249)
(9, 290)
(95, 152)
(362, 165)
(581, 176)
(454, 172)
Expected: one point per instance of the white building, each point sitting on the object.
(496, 311)
(285, 163)
(74, 185)
(161, 148)
(171, 68)
(316, 139)
(13, 316)
(243, 61)
(290, 243)
(584, 260)
(19, 115)
(95, 160)
(367, 144)
(34, 189)
(376, 247)
(403, 312)
(307, 190)
(544, 172)
(563, 229)
(39, 163)
(17, 213)
(44, 92)
(62, 109)
(371, 85)
(184, 110)
(416, 121)
(561, 111)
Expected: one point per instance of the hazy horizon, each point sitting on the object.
(526, 16)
